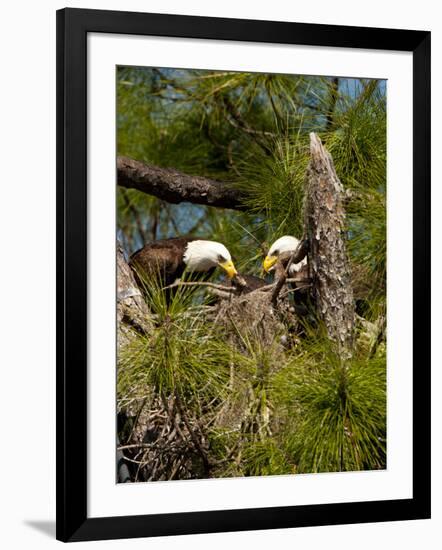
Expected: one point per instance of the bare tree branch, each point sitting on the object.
(175, 187)
(200, 283)
(238, 121)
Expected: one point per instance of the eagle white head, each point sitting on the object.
(204, 255)
(283, 244)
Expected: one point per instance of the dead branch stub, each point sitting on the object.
(328, 261)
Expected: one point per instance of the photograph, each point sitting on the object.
(251, 274)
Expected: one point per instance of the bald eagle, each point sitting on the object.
(282, 249)
(169, 258)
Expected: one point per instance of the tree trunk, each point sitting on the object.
(132, 311)
(328, 260)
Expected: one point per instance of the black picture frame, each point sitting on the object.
(73, 25)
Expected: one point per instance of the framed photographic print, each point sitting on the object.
(243, 297)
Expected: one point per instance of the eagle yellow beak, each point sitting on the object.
(229, 268)
(269, 262)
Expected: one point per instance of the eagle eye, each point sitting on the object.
(275, 253)
(221, 258)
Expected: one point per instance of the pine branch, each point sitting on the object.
(175, 187)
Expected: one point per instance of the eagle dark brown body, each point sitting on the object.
(163, 258)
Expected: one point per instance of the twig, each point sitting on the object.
(230, 289)
(298, 255)
(231, 161)
(142, 462)
(135, 446)
(192, 434)
(294, 290)
(238, 121)
(198, 283)
(263, 248)
(137, 417)
(229, 455)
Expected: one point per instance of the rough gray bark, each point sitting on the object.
(174, 186)
(329, 265)
(132, 311)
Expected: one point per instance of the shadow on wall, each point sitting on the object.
(47, 527)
